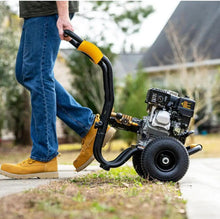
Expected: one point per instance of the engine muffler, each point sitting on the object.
(194, 148)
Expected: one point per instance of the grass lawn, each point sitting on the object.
(211, 148)
(119, 193)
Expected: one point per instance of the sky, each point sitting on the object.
(156, 21)
(150, 28)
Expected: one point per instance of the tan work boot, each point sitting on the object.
(86, 154)
(31, 169)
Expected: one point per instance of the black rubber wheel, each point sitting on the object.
(165, 159)
(136, 160)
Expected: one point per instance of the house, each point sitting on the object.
(124, 64)
(197, 26)
(186, 54)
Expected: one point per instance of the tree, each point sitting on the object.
(88, 80)
(14, 103)
(4, 65)
(131, 100)
(118, 21)
(115, 18)
(18, 114)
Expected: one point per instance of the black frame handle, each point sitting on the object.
(76, 40)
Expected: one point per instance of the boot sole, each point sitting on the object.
(109, 135)
(45, 175)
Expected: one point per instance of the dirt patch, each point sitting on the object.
(119, 193)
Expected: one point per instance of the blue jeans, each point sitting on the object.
(36, 56)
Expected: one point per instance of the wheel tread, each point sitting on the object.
(151, 150)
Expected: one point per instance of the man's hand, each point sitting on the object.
(63, 21)
(62, 24)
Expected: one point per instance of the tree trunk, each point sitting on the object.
(22, 127)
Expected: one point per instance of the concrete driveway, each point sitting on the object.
(201, 188)
(9, 186)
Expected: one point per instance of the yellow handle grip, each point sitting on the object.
(91, 50)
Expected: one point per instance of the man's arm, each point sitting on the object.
(63, 21)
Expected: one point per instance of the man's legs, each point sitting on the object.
(34, 70)
(40, 47)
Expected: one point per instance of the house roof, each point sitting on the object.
(125, 64)
(195, 25)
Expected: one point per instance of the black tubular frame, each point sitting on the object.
(102, 126)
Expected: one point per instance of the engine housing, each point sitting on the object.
(168, 115)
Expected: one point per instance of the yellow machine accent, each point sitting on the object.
(91, 50)
(186, 104)
(193, 145)
(125, 120)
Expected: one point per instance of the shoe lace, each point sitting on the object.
(27, 161)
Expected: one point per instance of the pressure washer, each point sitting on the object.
(159, 152)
